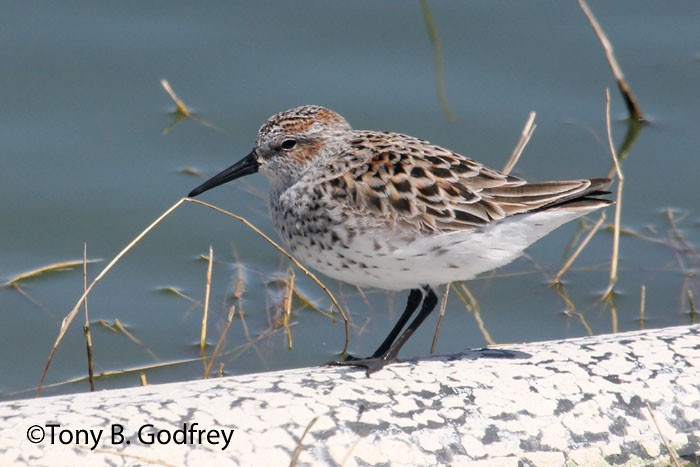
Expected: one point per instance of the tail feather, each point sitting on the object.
(532, 197)
(588, 199)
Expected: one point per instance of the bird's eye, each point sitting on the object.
(288, 143)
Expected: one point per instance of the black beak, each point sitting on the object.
(246, 166)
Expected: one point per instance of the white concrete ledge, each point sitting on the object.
(571, 402)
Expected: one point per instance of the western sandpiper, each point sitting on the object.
(388, 210)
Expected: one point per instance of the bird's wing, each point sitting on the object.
(412, 183)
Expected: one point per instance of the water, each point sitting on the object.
(85, 161)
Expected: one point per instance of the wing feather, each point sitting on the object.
(415, 184)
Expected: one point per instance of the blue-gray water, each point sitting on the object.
(85, 160)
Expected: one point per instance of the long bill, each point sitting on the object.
(246, 166)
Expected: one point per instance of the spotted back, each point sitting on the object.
(413, 183)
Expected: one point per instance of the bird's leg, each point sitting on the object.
(429, 303)
(414, 299)
(389, 350)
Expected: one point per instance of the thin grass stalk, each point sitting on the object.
(578, 250)
(300, 445)
(238, 290)
(86, 327)
(613, 317)
(608, 128)
(63, 265)
(182, 111)
(525, 135)
(289, 256)
(235, 353)
(443, 306)
(472, 303)
(117, 327)
(691, 302)
(632, 107)
(674, 458)
(207, 291)
(71, 315)
(437, 53)
(616, 240)
(618, 205)
(642, 306)
(287, 308)
(220, 342)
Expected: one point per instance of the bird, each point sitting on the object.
(387, 210)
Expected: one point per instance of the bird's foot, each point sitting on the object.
(370, 364)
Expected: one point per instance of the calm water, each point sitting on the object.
(85, 160)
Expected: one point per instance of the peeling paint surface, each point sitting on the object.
(570, 402)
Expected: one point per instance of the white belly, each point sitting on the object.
(396, 262)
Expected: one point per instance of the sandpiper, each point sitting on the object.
(388, 210)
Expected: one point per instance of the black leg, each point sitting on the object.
(414, 299)
(429, 303)
(389, 350)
